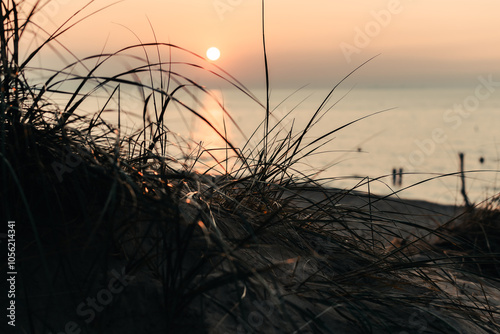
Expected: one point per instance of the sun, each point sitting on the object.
(213, 53)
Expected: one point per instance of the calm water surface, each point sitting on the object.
(422, 131)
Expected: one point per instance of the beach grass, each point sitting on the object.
(123, 230)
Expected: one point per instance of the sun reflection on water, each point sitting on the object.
(210, 135)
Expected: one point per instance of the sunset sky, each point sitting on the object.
(421, 43)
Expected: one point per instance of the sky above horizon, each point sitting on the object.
(419, 43)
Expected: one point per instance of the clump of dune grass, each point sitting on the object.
(256, 247)
(476, 237)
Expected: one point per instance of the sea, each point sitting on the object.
(403, 142)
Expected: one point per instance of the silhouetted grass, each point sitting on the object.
(256, 247)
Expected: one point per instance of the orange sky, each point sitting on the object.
(315, 42)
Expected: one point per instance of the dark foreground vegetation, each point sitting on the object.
(116, 232)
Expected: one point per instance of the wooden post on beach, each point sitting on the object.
(462, 176)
